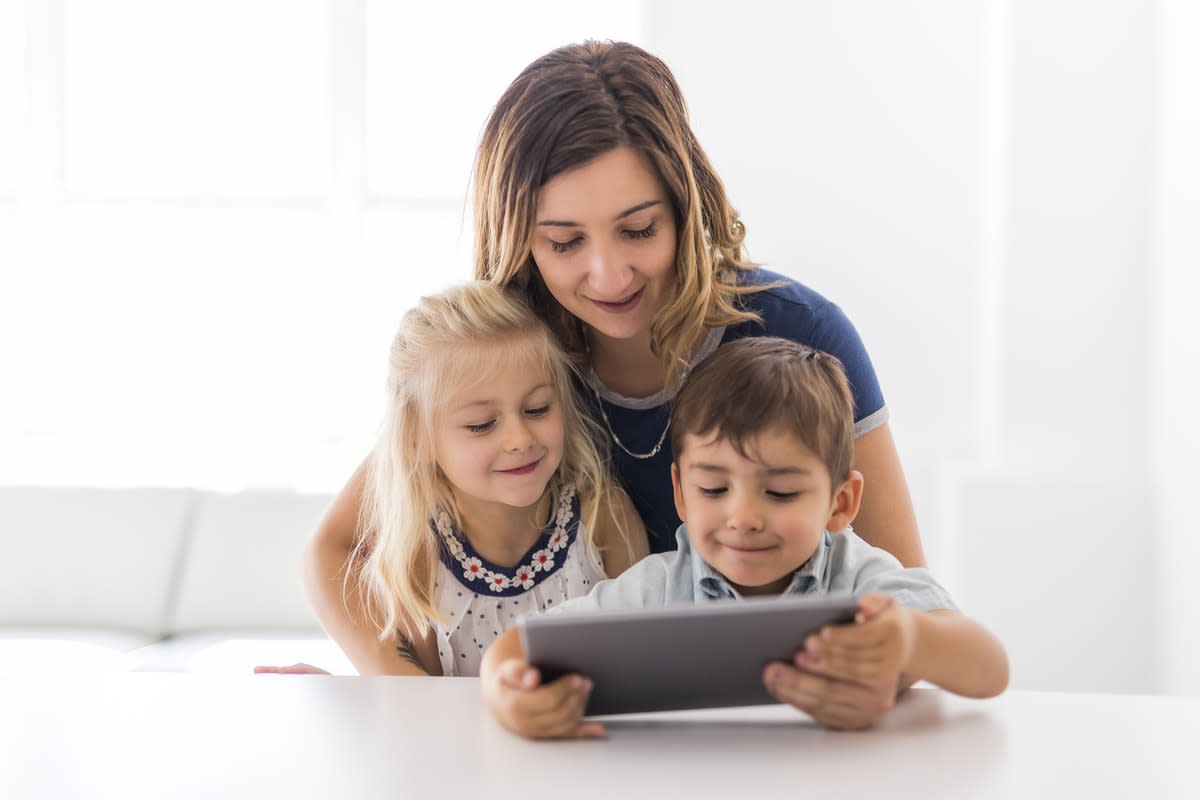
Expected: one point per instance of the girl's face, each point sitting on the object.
(604, 242)
(499, 438)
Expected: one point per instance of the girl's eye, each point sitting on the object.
(541, 411)
(565, 247)
(713, 492)
(783, 496)
(482, 427)
(643, 233)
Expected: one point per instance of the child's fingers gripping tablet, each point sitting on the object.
(872, 652)
(543, 711)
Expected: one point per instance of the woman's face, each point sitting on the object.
(604, 243)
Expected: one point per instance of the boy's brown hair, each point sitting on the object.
(764, 383)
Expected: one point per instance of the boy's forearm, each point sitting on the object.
(958, 654)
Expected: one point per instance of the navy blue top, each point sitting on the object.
(789, 311)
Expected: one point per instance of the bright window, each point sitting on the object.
(199, 286)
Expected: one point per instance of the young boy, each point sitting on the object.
(763, 440)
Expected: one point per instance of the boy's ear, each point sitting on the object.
(679, 509)
(846, 499)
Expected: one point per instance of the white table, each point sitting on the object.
(181, 736)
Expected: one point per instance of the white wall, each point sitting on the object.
(974, 183)
(1175, 351)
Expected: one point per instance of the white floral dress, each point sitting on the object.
(481, 600)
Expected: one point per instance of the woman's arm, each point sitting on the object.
(339, 603)
(886, 518)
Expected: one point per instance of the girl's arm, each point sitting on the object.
(620, 534)
(339, 603)
(886, 518)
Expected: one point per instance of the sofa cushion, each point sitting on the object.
(242, 564)
(57, 650)
(90, 557)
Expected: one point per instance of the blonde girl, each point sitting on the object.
(485, 496)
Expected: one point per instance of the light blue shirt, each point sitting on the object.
(842, 564)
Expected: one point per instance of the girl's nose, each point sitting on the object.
(517, 436)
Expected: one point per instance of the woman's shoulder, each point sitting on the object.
(778, 290)
(788, 309)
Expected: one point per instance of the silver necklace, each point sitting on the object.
(608, 426)
(587, 346)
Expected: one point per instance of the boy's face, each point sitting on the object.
(757, 518)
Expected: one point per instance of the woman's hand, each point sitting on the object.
(294, 669)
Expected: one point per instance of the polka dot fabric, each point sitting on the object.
(476, 613)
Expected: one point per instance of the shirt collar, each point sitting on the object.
(708, 584)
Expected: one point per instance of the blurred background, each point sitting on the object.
(212, 215)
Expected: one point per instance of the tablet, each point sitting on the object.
(686, 656)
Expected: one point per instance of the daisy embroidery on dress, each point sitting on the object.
(523, 577)
(472, 567)
(541, 561)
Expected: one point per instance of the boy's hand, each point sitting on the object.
(847, 676)
(832, 702)
(872, 652)
(525, 706)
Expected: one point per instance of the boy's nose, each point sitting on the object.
(744, 515)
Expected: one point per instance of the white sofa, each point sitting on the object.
(156, 579)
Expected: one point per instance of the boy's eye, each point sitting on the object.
(715, 491)
(540, 411)
(783, 495)
(641, 233)
(565, 247)
(482, 427)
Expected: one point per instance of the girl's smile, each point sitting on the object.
(524, 470)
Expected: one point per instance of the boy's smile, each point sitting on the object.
(757, 518)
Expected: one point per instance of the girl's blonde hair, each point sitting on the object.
(569, 107)
(444, 342)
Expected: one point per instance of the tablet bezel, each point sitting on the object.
(678, 657)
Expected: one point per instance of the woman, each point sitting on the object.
(593, 195)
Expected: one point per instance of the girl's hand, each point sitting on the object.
(294, 669)
(518, 699)
(872, 652)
